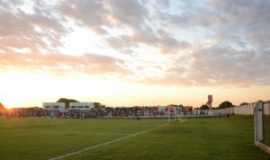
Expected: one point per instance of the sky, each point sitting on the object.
(134, 52)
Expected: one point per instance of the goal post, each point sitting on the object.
(262, 126)
(171, 114)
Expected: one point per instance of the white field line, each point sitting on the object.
(91, 133)
(103, 144)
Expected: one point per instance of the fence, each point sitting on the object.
(247, 109)
(262, 126)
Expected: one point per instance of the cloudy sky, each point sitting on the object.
(134, 52)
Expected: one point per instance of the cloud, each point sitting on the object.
(41, 29)
(97, 14)
(215, 66)
(242, 20)
(207, 42)
(89, 13)
(131, 13)
(219, 65)
(239, 53)
(251, 18)
(56, 63)
(24, 36)
(102, 16)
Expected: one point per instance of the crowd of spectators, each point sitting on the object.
(96, 112)
(25, 112)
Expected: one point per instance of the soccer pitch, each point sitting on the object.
(123, 139)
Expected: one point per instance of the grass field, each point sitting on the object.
(189, 139)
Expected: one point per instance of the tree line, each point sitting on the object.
(225, 104)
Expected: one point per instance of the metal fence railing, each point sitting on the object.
(262, 126)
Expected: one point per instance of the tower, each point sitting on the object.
(209, 101)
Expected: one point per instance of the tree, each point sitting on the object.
(243, 104)
(99, 105)
(226, 104)
(204, 106)
(66, 101)
(181, 105)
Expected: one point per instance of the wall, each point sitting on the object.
(267, 108)
(242, 110)
(245, 109)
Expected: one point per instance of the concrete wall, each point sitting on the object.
(266, 109)
(245, 109)
(218, 112)
(242, 110)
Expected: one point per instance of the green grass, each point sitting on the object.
(203, 139)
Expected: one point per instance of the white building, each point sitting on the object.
(83, 106)
(59, 106)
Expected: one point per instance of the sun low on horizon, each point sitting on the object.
(134, 52)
